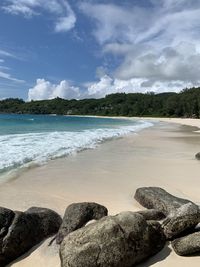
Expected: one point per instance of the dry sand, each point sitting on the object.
(182, 121)
(159, 156)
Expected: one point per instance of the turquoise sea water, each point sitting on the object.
(35, 139)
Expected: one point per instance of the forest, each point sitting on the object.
(183, 104)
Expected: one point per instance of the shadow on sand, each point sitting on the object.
(26, 254)
(163, 254)
(149, 262)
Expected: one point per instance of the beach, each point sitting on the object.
(162, 155)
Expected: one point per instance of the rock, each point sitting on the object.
(77, 215)
(187, 245)
(113, 241)
(182, 214)
(159, 199)
(197, 156)
(152, 214)
(6, 217)
(185, 218)
(23, 230)
(48, 219)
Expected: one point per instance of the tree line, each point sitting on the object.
(183, 104)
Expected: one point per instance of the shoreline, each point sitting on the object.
(179, 120)
(14, 173)
(182, 121)
(162, 155)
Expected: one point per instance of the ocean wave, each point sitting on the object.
(17, 150)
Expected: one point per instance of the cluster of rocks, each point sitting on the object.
(182, 218)
(122, 240)
(20, 231)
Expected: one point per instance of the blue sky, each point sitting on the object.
(90, 48)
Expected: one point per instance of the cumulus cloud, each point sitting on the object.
(65, 18)
(105, 85)
(47, 90)
(158, 43)
(181, 62)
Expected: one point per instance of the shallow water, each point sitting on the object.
(35, 139)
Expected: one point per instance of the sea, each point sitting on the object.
(32, 140)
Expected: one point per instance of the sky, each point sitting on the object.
(91, 48)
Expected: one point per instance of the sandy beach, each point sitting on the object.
(162, 155)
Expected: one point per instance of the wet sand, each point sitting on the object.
(162, 155)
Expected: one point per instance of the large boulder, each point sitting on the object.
(77, 215)
(114, 241)
(182, 214)
(187, 245)
(159, 199)
(20, 231)
(185, 218)
(6, 217)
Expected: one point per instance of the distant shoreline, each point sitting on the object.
(183, 121)
(167, 104)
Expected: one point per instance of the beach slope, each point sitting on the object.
(162, 156)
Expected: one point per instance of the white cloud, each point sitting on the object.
(47, 90)
(24, 7)
(66, 23)
(181, 62)
(118, 23)
(134, 24)
(64, 16)
(4, 67)
(4, 53)
(7, 76)
(100, 88)
(107, 85)
(158, 43)
(104, 86)
(4, 74)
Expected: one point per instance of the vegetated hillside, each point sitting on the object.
(183, 104)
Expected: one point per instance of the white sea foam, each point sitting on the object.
(17, 150)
